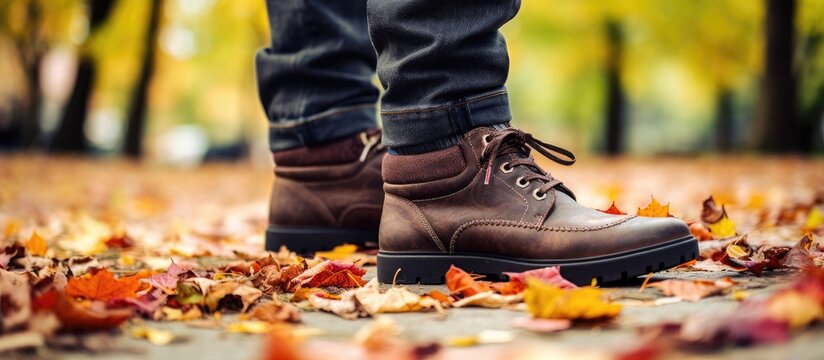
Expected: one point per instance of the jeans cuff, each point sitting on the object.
(322, 128)
(435, 128)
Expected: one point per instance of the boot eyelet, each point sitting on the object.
(537, 196)
(521, 182)
(506, 169)
(485, 140)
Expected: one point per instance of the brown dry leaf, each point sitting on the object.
(273, 312)
(346, 307)
(231, 295)
(655, 209)
(711, 212)
(693, 290)
(36, 245)
(15, 303)
(100, 284)
(799, 256)
(394, 300)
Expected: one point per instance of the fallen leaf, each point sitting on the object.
(815, 219)
(15, 303)
(339, 252)
(276, 313)
(723, 228)
(654, 209)
(393, 300)
(231, 295)
(346, 307)
(249, 327)
(74, 315)
(799, 255)
(711, 212)
(489, 299)
(460, 282)
(736, 252)
(549, 301)
(167, 281)
(541, 325)
(330, 273)
(693, 290)
(613, 210)
(700, 231)
(550, 275)
(154, 336)
(36, 245)
(100, 284)
(381, 333)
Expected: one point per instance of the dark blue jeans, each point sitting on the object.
(442, 63)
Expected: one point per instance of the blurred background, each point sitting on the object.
(172, 81)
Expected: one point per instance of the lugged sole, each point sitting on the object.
(430, 268)
(306, 240)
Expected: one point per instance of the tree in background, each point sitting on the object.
(136, 120)
(70, 135)
(615, 109)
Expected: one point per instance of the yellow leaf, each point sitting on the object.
(36, 245)
(340, 252)
(736, 252)
(548, 301)
(724, 228)
(249, 327)
(155, 336)
(655, 209)
(814, 219)
(12, 228)
(797, 309)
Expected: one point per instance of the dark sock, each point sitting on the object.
(436, 145)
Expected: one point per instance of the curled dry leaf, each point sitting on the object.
(460, 282)
(693, 290)
(393, 300)
(489, 299)
(346, 307)
(231, 295)
(711, 212)
(273, 312)
(549, 301)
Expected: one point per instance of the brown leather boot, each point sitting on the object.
(327, 195)
(486, 207)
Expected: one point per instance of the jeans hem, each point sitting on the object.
(321, 128)
(412, 128)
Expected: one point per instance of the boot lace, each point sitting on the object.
(514, 141)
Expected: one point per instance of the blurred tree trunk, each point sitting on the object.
(70, 136)
(724, 124)
(137, 110)
(780, 127)
(615, 110)
(31, 51)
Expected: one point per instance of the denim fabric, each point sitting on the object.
(443, 65)
(315, 79)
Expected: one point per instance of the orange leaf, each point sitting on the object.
(74, 315)
(331, 273)
(102, 285)
(36, 245)
(613, 210)
(693, 290)
(437, 295)
(655, 209)
(458, 281)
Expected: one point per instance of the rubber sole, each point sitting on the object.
(308, 240)
(430, 268)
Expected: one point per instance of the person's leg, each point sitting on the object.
(461, 186)
(315, 83)
(443, 65)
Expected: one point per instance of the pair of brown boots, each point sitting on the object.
(482, 205)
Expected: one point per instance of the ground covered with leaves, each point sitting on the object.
(125, 260)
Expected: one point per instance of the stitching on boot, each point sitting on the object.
(510, 223)
(516, 193)
(433, 236)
